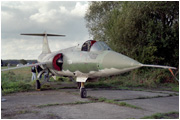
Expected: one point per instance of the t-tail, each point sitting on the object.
(45, 47)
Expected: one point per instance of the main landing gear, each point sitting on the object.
(38, 85)
(46, 78)
(83, 92)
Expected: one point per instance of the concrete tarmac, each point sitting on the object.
(67, 104)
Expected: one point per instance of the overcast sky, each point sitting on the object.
(58, 17)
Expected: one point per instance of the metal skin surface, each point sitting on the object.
(89, 64)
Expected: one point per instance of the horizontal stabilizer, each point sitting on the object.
(158, 66)
(42, 34)
(45, 46)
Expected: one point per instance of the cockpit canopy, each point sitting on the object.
(92, 45)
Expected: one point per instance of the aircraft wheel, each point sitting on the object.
(38, 85)
(83, 93)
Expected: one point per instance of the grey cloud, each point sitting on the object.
(22, 17)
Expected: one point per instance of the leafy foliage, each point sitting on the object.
(145, 31)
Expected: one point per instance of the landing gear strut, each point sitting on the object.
(46, 79)
(38, 85)
(78, 85)
(83, 91)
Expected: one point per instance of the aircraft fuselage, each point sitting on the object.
(89, 64)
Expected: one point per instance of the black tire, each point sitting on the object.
(83, 93)
(38, 85)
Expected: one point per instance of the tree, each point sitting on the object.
(1, 63)
(22, 61)
(96, 15)
(145, 31)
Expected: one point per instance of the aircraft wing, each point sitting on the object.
(23, 66)
(161, 66)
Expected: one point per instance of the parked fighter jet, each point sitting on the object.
(91, 60)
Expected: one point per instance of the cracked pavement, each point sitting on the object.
(58, 104)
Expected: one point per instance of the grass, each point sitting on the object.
(101, 99)
(53, 116)
(58, 104)
(16, 80)
(23, 111)
(47, 105)
(170, 115)
(139, 79)
(20, 80)
(122, 104)
(26, 111)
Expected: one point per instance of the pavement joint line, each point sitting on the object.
(91, 100)
(22, 111)
(111, 101)
(161, 115)
(130, 89)
(165, 92)
(63, 104)
(159, 96)
(147, 97)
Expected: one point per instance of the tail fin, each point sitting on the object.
(45, 47)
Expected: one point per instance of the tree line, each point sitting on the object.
(15, 62)
(147, 31)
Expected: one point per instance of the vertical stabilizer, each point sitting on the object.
(45, 47)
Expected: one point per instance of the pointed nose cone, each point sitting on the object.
(119, 61)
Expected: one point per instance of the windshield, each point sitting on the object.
(99, 46)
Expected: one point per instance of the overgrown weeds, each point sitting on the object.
(170, 115)
(58, 104)
(20, 80)
(143, 78)
(15, 82)
(101, 99)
